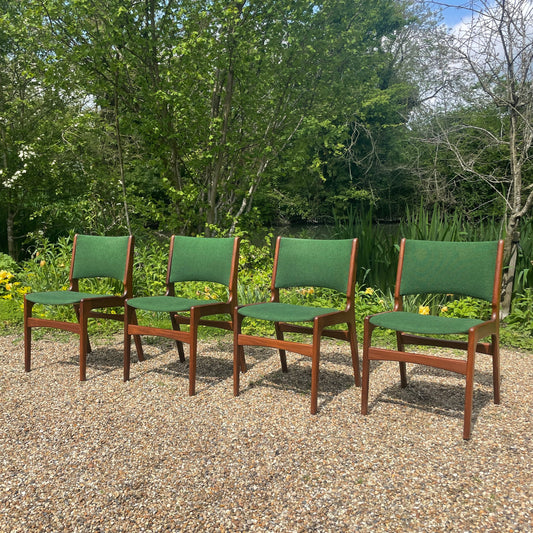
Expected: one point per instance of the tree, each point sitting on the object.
(492, 54)
(205, 97)
(31, 114)
(347, 150)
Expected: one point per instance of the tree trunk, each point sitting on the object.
(512, 240)
(120, 154)
(10, 233)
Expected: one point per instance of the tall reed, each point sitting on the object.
(378, 252)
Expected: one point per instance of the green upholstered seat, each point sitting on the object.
(61, 297)
(166, 304)
(93, 256)
(276, 312)
(304, 263)
(190, 259)
(424, 324)
(454, 268)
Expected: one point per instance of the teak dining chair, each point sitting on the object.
(92, 257)
(458, 268)
(190, 259)
(304, 263)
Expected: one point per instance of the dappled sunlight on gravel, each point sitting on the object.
(110, 456)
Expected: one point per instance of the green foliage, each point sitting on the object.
(517, 329)
(175, 117)
(49, 264)
(466, 308)
(11, 315)
(521, 317)
(255, 269)
(150, 268)
(377, 257)
(8, 263)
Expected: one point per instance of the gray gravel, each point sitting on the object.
(104, 455)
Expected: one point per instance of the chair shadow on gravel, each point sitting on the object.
(210, 370)
(332, 382)
(424, 393)
(102, 360)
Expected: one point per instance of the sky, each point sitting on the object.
(452, 15)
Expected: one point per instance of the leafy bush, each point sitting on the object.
(522, 312)
(7, 263)
(466, 308)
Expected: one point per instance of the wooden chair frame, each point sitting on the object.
(320, 328)
(83, 307)
(194, 319)
(472, 345)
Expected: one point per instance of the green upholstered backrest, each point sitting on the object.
(201, 259)
(97, 256)
(462, 268)
(317, 263)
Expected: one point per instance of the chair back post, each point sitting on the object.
(128, 271)
(398, 299)
(73, 282)
(274, 291)
(350, 289)
(233, 280)
(496, 291)
(170, 285)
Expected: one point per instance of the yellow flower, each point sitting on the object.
(8, 286)
(42, 263)
(23, 290)
(423, 310)
(369, 290)
(444, 308)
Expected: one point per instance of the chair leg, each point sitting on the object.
(128, 317)
(496, 367)
(27, 335)
(367, 339)
(179, 344)
(355, 353)
(238, 352)
(315, 364)
(84, 340)
(137, 339)
(282, 353)
(242, 360)
(403, 369)
(88, 343)
(193, 332)
(469, 388)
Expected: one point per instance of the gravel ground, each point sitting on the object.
(109, 456)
